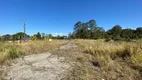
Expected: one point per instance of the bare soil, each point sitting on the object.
(44, 66)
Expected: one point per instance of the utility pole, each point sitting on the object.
(24, 30)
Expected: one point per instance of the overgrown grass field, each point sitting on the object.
(94, 59)
(12, 50)
(107, 60)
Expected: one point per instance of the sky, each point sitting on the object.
(59, 16)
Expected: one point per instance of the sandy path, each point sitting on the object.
(43, 66)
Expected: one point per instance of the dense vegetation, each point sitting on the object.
(17, 36)
(38, 36)
(90, 30)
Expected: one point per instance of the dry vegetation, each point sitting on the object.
(10, 50)
(91, 59)
(105, 52)
(107, 60)
(40, 46)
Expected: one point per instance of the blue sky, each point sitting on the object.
(59, 16)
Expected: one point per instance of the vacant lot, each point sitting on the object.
(13, 50)
(78, 59)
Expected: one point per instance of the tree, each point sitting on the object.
(92, 25)
(19, 36)
(71, 35)
(116, 32)
(99, 33)
(49, 36)
(77, 26)
(108, 34)
(77, 29)
(127, 34)
(38, 35)
(90, 30)
(139, 32)
(84, 31)
(7, 37)
(43, 35)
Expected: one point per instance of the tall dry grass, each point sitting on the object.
(8, 51)
(12, 50)
(104, 52)
(107, 60)
(40, 46)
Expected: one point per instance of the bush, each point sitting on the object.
(128, 40)
(12, 52)
(33, 38)
(107, 39)
(15, 51)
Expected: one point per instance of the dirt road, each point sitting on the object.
(44, 66)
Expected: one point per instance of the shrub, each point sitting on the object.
(107, 39)
(10, 51)
(33, 38)
(15, 51)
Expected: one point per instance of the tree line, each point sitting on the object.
(37, 36)
(13, 37)
(90, 30)
(84, 30)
